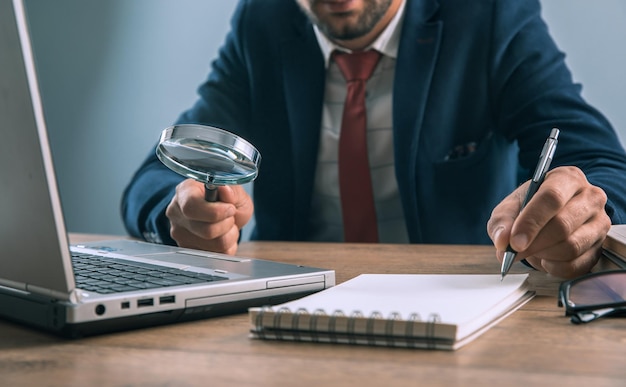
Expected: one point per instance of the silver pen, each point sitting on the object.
(547, 153)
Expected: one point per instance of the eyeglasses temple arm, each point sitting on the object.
(586, 316)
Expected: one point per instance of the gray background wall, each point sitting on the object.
(114, 73)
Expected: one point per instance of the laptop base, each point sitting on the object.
(49, 316)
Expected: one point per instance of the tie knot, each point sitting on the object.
(357, 65)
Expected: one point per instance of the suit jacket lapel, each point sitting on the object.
(304, 77)
(417, 55)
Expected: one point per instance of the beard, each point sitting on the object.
(350, 25)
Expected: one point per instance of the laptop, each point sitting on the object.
(107, 286)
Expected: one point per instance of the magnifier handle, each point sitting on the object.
(210, 192)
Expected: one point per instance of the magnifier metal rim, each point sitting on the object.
(223, 139)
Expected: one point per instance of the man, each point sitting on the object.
(460, 103)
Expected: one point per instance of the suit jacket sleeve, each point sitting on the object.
(226, 93)
(534, 88)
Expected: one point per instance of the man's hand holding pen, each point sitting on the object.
(560, 230)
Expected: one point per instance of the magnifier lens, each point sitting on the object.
(207, 154)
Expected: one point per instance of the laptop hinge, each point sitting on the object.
(25, 289)
(12, 285)
(73, 296)
(13, 290)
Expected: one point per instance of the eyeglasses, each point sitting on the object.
(594, 295)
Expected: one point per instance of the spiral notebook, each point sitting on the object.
(430, 311)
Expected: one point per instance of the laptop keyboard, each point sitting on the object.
(113, 275)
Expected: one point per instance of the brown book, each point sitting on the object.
(615, 247)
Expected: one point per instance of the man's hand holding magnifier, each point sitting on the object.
(213, 226)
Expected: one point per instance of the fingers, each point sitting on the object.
(579, 223)
(196, 223)
(226, 243)
(561, 228)
(559, 203)
(553, 260)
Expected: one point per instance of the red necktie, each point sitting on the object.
(355, 182)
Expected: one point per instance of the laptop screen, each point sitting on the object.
(32, 233)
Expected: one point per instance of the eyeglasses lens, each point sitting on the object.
(598, 290)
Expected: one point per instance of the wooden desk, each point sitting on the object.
(537, 345)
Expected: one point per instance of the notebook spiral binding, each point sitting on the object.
(313, 331)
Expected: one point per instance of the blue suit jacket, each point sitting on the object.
(481, 71)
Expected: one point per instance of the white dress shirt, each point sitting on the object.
(326, 220)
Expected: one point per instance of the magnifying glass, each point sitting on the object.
(210, 155)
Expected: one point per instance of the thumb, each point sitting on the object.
(237, 196)
(503, 216)
(233, 194)
(226, 194)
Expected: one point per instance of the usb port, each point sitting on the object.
(145, 302)
(167, 299)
